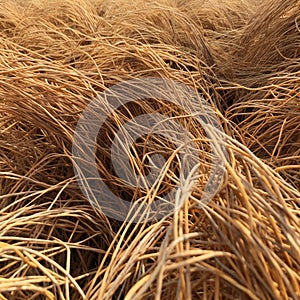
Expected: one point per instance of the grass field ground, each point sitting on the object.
(242, 57)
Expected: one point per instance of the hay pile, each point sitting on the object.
(58, 55)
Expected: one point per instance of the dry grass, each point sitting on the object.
(58, 55)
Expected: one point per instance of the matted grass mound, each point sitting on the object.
(56, 57)
(265, 106)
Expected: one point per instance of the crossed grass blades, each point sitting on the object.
(56, 56)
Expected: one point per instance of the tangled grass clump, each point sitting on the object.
(56, 56)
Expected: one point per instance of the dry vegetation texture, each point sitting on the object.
(56, 56)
